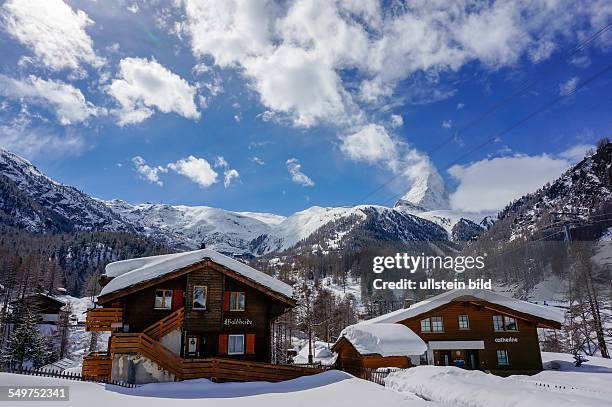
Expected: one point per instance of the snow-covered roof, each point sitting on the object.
(384, 339)
(545, 312)
(127, 273)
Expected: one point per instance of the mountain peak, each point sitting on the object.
(427, 193)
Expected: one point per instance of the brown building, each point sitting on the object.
(46, 307)
(477, 329)
(188, 315)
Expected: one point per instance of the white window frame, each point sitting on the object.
(501, 327)
(428, 322)
(506, 324)
(235, 295)
(229, 341)
(467, 321)
(165, 307)
(441, 324)
(497, 352)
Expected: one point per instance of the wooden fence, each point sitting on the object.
(66, 375)
(376, 375)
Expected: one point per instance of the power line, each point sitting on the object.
(522, 121)
(522, 89)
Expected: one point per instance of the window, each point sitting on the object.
(236, 301)
(199, 297)
(502, 357)
(498, 323)
(464, 322)
(163, 299)
(504, 323)
(436, 324)
(235, 345)
(425, 325)
(510, 324)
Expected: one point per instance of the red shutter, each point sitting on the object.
(226, 301)
(177, 299)
(250, 344)
(222, 344)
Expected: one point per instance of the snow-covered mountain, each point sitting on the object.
(33, 201)
(192, 226)
(427, 193)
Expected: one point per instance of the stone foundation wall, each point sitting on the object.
(138, 369)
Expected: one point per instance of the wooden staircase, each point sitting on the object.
(218, 369)
(166, 325)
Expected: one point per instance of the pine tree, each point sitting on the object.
(26, 343)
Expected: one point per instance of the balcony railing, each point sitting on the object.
(103, 319)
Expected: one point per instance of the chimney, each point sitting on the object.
(408, 302)
(202, 245)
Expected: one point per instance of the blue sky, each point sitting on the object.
(307, 102)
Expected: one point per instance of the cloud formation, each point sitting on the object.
(229, 174)
(295, 169)
(146, 172)
(489, 184)
(145, 85)
(53, 31)
(196, 169)
(64, 100)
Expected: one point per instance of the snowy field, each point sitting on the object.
(330, 389)
(589, 385)
(566, 385)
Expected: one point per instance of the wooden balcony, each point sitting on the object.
(103, 319)
(97, 365)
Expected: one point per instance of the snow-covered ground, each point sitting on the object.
(588, 385)
(321, 353)
(330, 389)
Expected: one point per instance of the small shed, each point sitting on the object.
(377, 345)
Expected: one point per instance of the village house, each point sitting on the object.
(46, 307)
(472, 329)
(188, 315)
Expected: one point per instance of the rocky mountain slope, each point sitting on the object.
(32, 201)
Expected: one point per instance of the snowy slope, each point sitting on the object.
(33, 201)
(190, 226)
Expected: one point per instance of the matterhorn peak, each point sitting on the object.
(427, 192)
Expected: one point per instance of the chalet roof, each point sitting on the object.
(127, 273)
(383, 339)
(47, 297)
(544, 312)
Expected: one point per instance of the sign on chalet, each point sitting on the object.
(188, 315)
(472, 329)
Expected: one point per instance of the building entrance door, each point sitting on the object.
(193, 346)
(472, 360)
(445, 358)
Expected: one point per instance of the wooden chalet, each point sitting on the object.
(46, 307)
(188, 315)
(472, 329)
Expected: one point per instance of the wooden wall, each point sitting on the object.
(349, 357)
(523, 355)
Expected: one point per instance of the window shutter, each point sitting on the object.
(177, 299)
(222, 344)
(226, 301)
(250, 344)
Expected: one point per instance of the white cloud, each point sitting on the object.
(295, 169)
(371, 144)
(490, 184)
(568, 86)
(258, 160)
(66, 101)
(577, 152)
(146, 172)
(144, 85)
(397, 120)
(447, 124)
(294, 52)
(20, 137)
(460, 105)
(53, 31)
(196, 169)
(229, 174)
